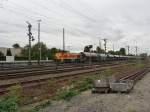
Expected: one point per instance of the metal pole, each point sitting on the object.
(105, 44)
(29, 50)
(30, 39)
(63, 39)
(39, 44)
(128, 49)
(100, 44)
(136, 50)
(113, 48)
(30, 36)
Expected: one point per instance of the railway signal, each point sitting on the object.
(31, 38)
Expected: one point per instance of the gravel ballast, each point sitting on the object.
(138, 100)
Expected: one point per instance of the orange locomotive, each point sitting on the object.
(67, 57)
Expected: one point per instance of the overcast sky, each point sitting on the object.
(122, 22)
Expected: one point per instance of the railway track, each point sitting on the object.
(9, 74)
(135, 76)
(124, 83)
(34, 80)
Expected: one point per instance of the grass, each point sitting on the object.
(66, 94)
(85, 84)
(139, 65)
(41, 106)
(76, 88)
(11, 102)
(131, 109)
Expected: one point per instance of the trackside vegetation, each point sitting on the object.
(11, 102)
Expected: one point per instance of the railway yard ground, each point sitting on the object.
(138, 100)
(68, 89)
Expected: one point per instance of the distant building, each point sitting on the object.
(3, 50)
(14, 51)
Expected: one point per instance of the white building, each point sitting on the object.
(14, 51)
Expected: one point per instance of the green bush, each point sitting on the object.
(20, 58)
(2, 58)
(84, 85)
(66, 94)
(10, 103)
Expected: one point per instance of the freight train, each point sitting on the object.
(87, 56)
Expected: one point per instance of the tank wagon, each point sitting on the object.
(94, 57)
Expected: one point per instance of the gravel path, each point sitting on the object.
(137, 101)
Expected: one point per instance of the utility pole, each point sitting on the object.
(63, 39)
(39, 44)
(136, 50)
(100, 43)
(128, 47)
(30, 39)
(113, 47)
(105, 44)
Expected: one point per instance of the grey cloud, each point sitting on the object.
(117, 20)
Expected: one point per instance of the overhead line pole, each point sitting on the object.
(113, 47)
(136, 50)
(105, 44)
(63, 39)
(100, 43)
(128, 47)
(39, 43)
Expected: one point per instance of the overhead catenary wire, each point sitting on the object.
(46, 18)
(49, 22)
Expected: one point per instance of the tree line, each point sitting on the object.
(46, 53)
(49, 53)
(88, 48)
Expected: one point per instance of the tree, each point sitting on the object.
(99, 50)
(117, 53)
(51, 53)
(122, 51)
(1, 54)
(87, 48)
(9, 52)
(16, 45)
(35, 51)
(112, 52)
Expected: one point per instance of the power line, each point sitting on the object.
(75, 29)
